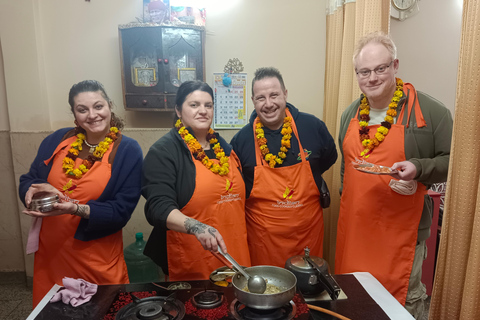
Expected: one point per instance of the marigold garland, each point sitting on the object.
(273, 160)
(75, 148)
(199, 154)
(382, 131)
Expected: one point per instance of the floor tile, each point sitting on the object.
(7, 307)
(14, 292)
(15, 296)
(12, 277)
(22, 311)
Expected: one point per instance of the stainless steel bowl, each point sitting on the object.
(43, 201)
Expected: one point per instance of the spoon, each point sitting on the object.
(255, 283)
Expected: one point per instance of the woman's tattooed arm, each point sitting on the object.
(196, 227)
(209, 237)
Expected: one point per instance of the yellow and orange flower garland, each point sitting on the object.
(75, 148)
(382, 131)
(262, 142)
(199, 154)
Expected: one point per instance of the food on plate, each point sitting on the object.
(218, 277)
(221, 283)
(376, 168)
(362, 165)
(222, 276)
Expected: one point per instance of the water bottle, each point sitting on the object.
(140, 267)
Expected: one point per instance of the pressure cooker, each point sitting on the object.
(312, 274)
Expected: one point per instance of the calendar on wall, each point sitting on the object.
(230, 99)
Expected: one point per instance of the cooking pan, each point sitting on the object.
(284, 279)
(280, 277)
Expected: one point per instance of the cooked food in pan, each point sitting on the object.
(271, 289)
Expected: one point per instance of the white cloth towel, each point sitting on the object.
(403, 187)
(76, 292)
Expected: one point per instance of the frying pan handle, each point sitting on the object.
(223, 259)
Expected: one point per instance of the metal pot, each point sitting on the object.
(43, 201)
(312, 274)
(280, 277)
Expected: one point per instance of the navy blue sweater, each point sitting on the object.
(315, 138)
(112, 210)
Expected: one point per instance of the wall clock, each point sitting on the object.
(403, 5)
(403, 9)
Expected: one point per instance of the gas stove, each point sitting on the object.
(202, 301)
(149, 301)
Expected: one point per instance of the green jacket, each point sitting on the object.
(428, 148)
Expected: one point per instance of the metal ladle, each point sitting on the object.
(255, 283)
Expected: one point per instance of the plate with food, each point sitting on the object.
(371, 168)
(222, 277)
(375, 169)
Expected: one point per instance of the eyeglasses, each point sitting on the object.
(365, 73)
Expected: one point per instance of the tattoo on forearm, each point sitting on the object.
(82, 211)
(195, 227)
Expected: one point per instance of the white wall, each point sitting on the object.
(59, 43)
(272, 33)
(428, 48)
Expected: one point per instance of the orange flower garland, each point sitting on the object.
(75, 148)
(199, 154)
(382, 131)
(262, 142)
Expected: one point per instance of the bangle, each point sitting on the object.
(76, 211)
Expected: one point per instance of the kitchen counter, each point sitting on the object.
(366, 299)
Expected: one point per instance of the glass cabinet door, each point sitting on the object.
(156, 60)
(143, 67)
(183, 51)
(141, 54)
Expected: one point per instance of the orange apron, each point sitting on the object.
(377, 227)
(218, 201)
(283, 211)
(59, 254)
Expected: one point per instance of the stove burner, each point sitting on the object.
(150, 311)
(241, 311)
(207, 299)
(152, 308)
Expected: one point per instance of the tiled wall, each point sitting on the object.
(14, 226)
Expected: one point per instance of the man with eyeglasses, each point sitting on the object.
(385, 219)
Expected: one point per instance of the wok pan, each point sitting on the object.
(280, 277)
(284, 279)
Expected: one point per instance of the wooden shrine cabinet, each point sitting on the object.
(156, 60)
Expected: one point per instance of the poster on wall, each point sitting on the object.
(188, 12)
(230, 92)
